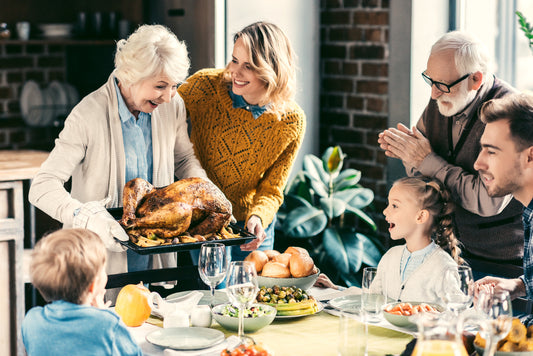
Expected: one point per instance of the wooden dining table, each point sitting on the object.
(316, 334)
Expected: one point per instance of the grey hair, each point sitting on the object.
(471, 55)
(150, 51)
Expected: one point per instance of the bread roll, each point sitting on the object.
(301, 265)
(275, 269)
(259, 258)
(282, 258)
(271, 253)
(294, 250)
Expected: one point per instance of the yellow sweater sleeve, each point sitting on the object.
(248, 159)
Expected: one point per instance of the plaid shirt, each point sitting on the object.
(527, 219)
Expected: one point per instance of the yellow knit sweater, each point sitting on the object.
(248, 159)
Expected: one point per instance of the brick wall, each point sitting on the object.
(353, 101)
(21, 61)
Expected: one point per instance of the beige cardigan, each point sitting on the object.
(90, 149)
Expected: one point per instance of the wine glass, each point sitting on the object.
(496, 309)
(212, 265)
(242, 288)
(458, 288)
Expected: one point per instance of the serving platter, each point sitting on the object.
(348, 304)
(189, 338)
(245, 237)
(320, 308)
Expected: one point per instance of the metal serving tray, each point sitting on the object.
(245, 237)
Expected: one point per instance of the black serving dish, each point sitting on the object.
(245, 237)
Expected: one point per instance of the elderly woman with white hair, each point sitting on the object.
(133, 126)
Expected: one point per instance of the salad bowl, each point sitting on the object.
(256, 317)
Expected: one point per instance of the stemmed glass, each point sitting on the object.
(495, 306)
(242, 288)
(212, 265)
(458, 288)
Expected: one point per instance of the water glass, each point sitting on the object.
(458, 288)
(212, 265)
(352, 335)
(497, 310)
(373, 296)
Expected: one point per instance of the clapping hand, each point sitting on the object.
(411, 146)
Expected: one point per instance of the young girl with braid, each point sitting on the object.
(419, 211)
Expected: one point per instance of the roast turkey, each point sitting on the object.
(191, 204)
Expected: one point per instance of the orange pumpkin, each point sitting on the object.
(132, 304)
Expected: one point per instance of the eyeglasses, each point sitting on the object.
(445, 88)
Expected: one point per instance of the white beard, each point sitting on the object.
(449, 106)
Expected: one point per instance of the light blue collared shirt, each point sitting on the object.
(239, 102)
(137, 136)
(412, 260)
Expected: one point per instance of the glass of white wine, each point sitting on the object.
(212, 265)
(242, 288)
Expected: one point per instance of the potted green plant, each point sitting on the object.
(526, 28)
(322, 208)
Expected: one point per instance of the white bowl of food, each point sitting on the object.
(400, 313)
(256, 317)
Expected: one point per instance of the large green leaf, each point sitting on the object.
(346, 179)
(348, 195)
(372, 253)
(344, 249)
(314, 168)
(292, 202)
(305, 221)
(363, 216)
(363, 198)
(332, 207)
(318, 186)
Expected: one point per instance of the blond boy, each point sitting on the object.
(68, 269)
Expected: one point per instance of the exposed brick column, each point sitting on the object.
(354, 84)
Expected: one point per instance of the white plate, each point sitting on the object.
(320, 308)
(348, 303)
(185, 338)
(220, 297)
(72, 95)
(48, 110)
(31, 102)
(60, 98)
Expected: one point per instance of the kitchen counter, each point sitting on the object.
(20, 164)
(16, 167)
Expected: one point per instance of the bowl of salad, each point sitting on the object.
(256, 317)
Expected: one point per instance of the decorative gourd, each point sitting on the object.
(132, 304)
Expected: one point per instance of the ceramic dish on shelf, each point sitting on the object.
(56, 30)
(60, 98)
(48, 111)
(72, 95)
(31, 102)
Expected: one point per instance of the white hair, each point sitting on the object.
(150, 51)
(471, 55)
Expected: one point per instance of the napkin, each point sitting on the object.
(229, 343)
(161, 307)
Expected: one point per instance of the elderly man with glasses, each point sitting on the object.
(445, 143)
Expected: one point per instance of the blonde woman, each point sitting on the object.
(246, 127)
(133, 126)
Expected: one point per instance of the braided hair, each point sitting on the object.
(436, 199)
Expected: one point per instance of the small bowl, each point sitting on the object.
(250, 324)
(405, 321)
(303, 282)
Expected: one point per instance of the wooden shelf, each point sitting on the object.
(60, 41)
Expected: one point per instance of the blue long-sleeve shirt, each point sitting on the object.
(63, 328)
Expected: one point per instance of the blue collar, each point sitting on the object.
(123, 112)
(240, 103)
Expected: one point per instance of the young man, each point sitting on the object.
(505, 164)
